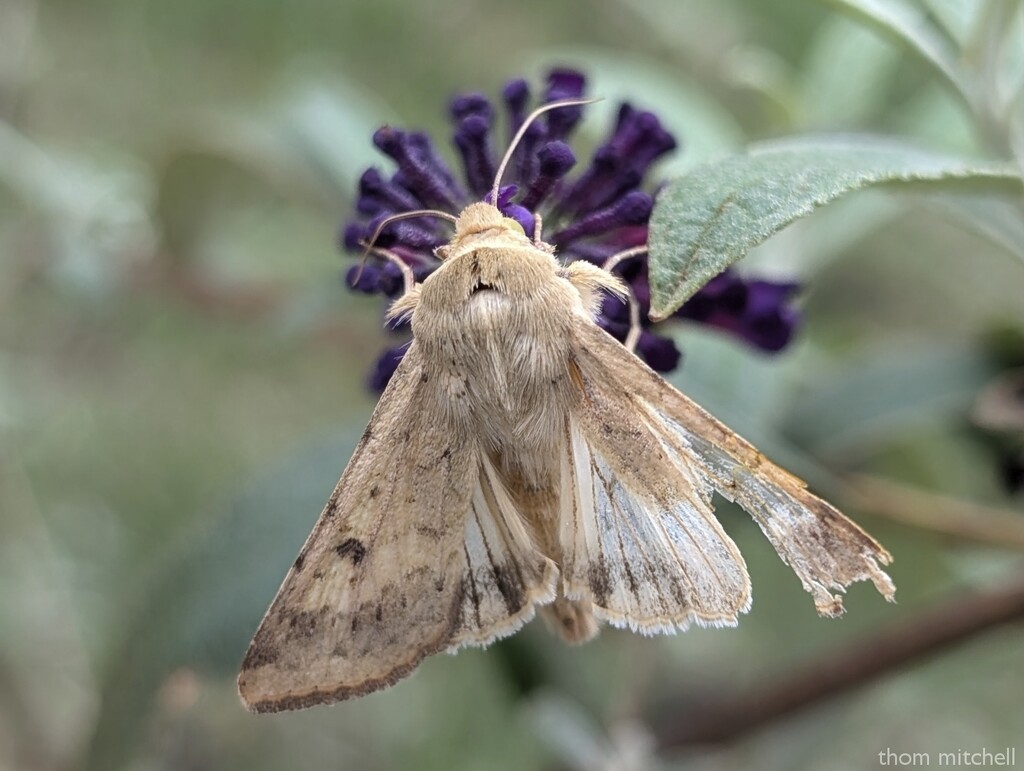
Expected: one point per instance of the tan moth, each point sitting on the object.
(522, 459)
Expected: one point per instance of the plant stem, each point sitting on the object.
(725, 719)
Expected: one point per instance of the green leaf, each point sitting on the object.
(957, 17)
(710, 218)
(999, 218)
(909, 25)
(847, 76)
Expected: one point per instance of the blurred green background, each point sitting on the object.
(182, 374)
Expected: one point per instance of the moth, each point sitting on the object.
(522, 459)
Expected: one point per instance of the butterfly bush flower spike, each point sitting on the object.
(589, 211)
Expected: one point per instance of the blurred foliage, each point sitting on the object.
(182, 372)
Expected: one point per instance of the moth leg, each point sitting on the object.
(408, 277)
(590, 280)
(406, 304)
(538, 243)
(633, 337)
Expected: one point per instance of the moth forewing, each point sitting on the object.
(416, 552)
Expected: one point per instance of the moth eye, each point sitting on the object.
(441, 252)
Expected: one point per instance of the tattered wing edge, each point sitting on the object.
(675, 404)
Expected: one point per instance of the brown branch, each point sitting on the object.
(728, 718)
(938, 513)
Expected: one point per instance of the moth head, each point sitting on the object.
(484, 217)
(481, 220)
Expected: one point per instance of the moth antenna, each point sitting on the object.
(405, 215)
(619, 257)
(408, 277)
(522, 130)
(395, 218)
(633, 337)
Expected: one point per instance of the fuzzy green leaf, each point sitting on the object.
(708, 219)
(909, 25)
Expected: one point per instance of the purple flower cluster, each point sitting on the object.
(592, 215)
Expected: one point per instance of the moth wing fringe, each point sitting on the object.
(543, 595)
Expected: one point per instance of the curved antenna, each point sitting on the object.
(522, 130)
(408, 277)
(405, 215)
(368, 245)
(613, 262)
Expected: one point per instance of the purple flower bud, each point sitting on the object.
(620, 164)
(525, 162)
(632, 209)
(390, 196)
(505, 195)
(564, 84)
(615, 309)
(417, 234)
(515, 95)
(363, 278)
(602, 183)
(423, 174)
(522, 215)
(370, 207)
(555, 159)
(599, 250)
(617, 329)
(639, 138)
(471, 139)
(756, 311)
(725, 294)
(389, 280)
(660, 353)
(386, 366)
(424, 149)
(768, 322)
(352, 235)
(471, 104)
